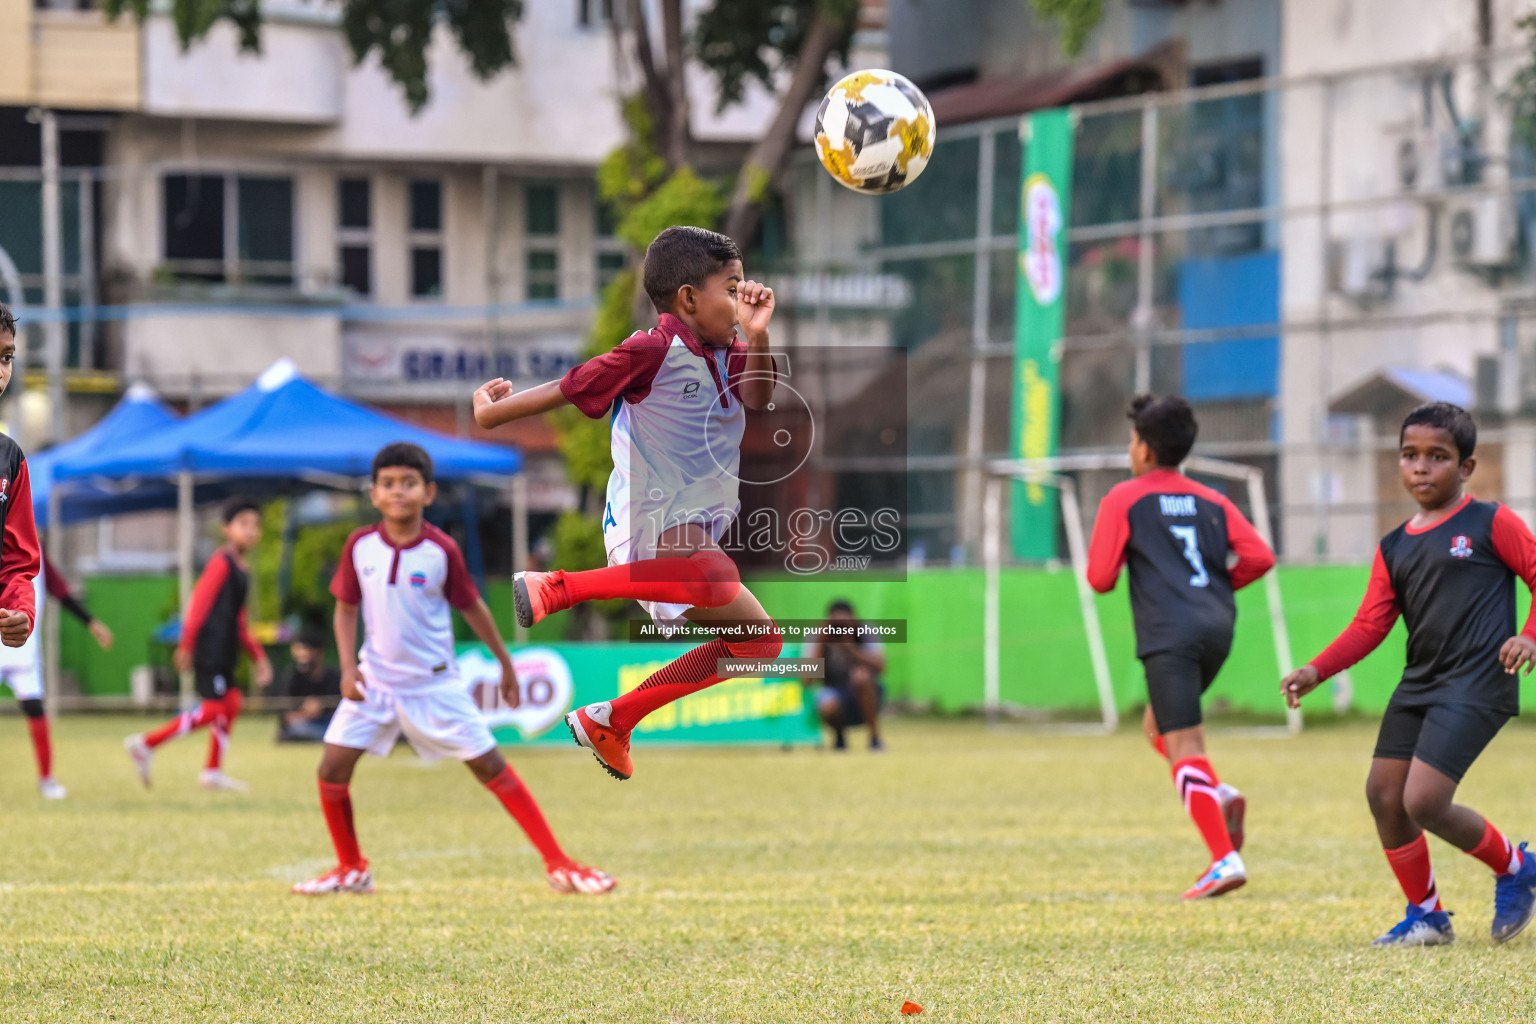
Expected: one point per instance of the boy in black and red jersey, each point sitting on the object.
(1175, 536)
(212, 636)
(20, 554)
(1450, 572)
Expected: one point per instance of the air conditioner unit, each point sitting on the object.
(1482, 231)
(1357, 268)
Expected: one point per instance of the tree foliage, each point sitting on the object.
(1075, 18)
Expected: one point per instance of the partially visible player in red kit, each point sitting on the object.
(212, 636)
(407, 577)
(1175, 535)
(677, 396)
(20, 554)
(1450, 573)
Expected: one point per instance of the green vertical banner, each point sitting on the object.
(1045, 199)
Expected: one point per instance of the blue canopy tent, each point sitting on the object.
(281, 428)
(139, 415)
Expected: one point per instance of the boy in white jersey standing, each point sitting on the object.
(407, 576)
(678, 396)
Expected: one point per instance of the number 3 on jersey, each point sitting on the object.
(1191, 541)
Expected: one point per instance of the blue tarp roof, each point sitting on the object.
(138, 415)
(284, 426)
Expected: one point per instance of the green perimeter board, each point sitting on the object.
(1044, 656)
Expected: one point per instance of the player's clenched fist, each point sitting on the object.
(511, 692)
(352, 685)
(754, 308)
(1300, 683)
(487, 395)
(15, 627)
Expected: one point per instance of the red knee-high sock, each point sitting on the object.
(336, 802)
(223, 724)
(42, 746)
(688, 674)
(1410, 863)
(707, 579)
(514, 796)
(1161, 746)
(199, 715)
(1496, 851)
(1196, 781)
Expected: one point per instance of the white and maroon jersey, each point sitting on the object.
(407, 595)
(677, 428)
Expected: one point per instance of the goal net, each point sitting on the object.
(1054, 473)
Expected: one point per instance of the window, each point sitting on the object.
(593, 12)
(426, 239)
(610, 251)
(354, 234)
(228, 228)
(541, 226)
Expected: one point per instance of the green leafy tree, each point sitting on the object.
(1075, 18)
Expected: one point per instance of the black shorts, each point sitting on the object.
(213, 685)
(1176, 679)
(1447, 737)
(847, 702)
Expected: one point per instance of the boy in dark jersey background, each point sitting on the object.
(1450, 572)
(211, 639)
(1175, 536)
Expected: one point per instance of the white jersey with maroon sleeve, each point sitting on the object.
(407, 594)
(678, 422)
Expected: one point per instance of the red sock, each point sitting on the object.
(41, 745)
(688, 674)
(707, 579)
(1497, 852)
(199, 715)
(1196, 781)
(1161, 746)
(336, 802)
(1410, 864)
(225, 713)
(514, 796)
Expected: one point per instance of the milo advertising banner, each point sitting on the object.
(557, 678)
(1045, 199)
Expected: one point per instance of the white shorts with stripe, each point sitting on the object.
(439, 721)
(25, 681)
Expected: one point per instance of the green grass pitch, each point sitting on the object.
(1007, 875)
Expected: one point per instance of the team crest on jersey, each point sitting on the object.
(691, 389)
(5, 488)
(1461, 547)
(418, 579)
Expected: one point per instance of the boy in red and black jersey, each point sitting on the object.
(20, 553)
(1450, 572)
(212, 637)
(1175, 536)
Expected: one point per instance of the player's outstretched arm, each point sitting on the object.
(754, 310)
(1516, 548)
(478, 617)
(496, 403)
(1370, 626)
(345, 624)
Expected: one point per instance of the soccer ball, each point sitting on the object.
(874, 131)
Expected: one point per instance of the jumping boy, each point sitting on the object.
(678, 395)
(408, 576)
(20, 554)
(1450, 572)
(21, 669)
(1175, 536)
(212, 636)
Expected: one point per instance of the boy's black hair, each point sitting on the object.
(684, 255)
(1453, 419)
(840, 605)
(404, 454)
(1166, 424)
(234, 506)
(7, 320)
(312, 636)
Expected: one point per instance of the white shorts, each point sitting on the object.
(441, 721)
(25, 681)
(625, 549)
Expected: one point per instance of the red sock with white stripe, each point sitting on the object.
(199, 716)
(42, 746)
(688, 674)
(1196, 782)
(224, 715)
(1410, 863)
(1496, 851)
(706, 579)
(514, 796)
(336, 802)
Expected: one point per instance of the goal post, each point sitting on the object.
(1052, 473)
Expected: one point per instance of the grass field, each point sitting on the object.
(1005, 875)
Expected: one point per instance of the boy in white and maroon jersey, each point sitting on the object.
(407, 577)
(678, 397)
